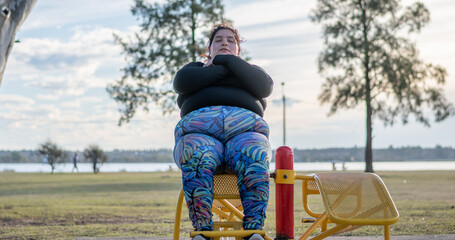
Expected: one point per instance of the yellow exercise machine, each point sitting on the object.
(350, 200)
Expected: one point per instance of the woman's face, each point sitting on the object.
(224, 43)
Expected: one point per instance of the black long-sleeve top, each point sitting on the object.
(230, 81)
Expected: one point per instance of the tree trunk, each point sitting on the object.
(369, 143)
(366, 62)
(95, 162)
(368, 148)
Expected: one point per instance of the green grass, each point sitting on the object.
(66, 206)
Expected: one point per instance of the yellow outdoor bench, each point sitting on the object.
(350, 200)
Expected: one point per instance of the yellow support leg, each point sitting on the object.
(231, 208)
(178, 216)
(387, 232)
(313, 227)
(324, 225)
(222, 214)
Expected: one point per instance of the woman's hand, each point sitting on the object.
(208, 63)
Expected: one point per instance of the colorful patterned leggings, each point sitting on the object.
(223, 139)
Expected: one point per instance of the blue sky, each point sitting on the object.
(55, 78)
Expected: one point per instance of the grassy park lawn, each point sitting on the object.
(66, 206)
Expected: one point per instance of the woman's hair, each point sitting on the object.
(220, 26)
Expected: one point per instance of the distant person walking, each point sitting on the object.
(75, 160)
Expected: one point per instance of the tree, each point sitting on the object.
(171, 35)
(52, 153)
(368, 59)
(94, 154)
(13, 14)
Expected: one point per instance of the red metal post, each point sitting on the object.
(284, 159)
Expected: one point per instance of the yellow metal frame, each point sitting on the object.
(306, 192)
(178, 215)
(283, 176)
(230, 215)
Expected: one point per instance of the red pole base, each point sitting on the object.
(284, 196)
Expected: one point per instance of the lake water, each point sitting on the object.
(299, 166)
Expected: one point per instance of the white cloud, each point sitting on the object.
(68, 68)
(66, 85)
(91, 100)
(25, 115)
(48, 96)
(267, 12)
(14, 101)
(55, 13)
(71, 104)
(87, 46)
(280, 31)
